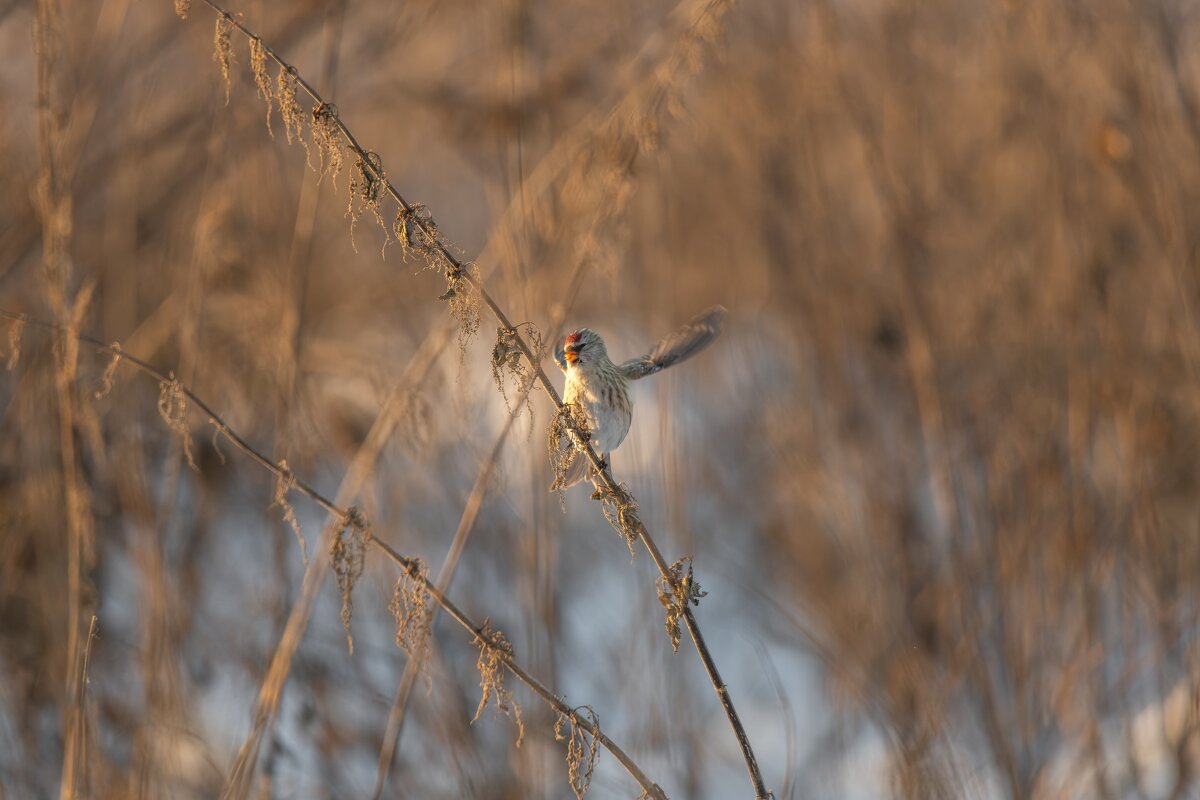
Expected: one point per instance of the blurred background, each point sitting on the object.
(938, 475)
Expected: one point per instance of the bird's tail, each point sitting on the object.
(580, 468)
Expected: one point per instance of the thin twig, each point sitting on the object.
(409, 565)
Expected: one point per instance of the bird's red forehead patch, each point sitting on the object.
(573, 338)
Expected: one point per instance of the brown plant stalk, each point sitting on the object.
(461, 274)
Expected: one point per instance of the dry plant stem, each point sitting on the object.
(408, 565)
(458, 270)
(53, 201)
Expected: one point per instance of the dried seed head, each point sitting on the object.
(347, 552)
(106, 380)
(289, 106)
(284, 481)
(223, 49)
(327, 136)
(621, 511)
(367, 189)
(494, 652)
(411, 609)
(508, 361)
(581, 745)
(182, 7)
(464, 304)
(172, 407)
(676, 591)
(258, 66)
(565, 441)
(418, 234)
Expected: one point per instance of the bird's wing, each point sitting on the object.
(693, 337)
(560, 356)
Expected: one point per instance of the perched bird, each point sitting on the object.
(601, 388)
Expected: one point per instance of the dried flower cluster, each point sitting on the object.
(327, 137)
(262, 79)
(676, 591)
(367, 190)
(494, 653)
(289, 106)
(172, 407)
(346, 555)
(566, 439)
(463, 302)
(223, 50)
(582, 747)
(284, 482)
(411, 608)
(508, 361)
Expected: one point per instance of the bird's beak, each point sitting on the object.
(571, 356)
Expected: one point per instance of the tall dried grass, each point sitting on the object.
(937, 479)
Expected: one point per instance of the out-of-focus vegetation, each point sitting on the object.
(938, 476)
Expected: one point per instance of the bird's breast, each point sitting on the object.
(606, 405)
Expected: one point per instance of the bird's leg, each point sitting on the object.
(595, 476)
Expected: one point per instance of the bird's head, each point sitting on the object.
(583, 347)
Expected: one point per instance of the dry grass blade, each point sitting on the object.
(75, 762)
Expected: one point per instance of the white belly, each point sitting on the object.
(608, 415)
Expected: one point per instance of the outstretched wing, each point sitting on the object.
(693, 337)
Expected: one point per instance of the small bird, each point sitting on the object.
(601, 388)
